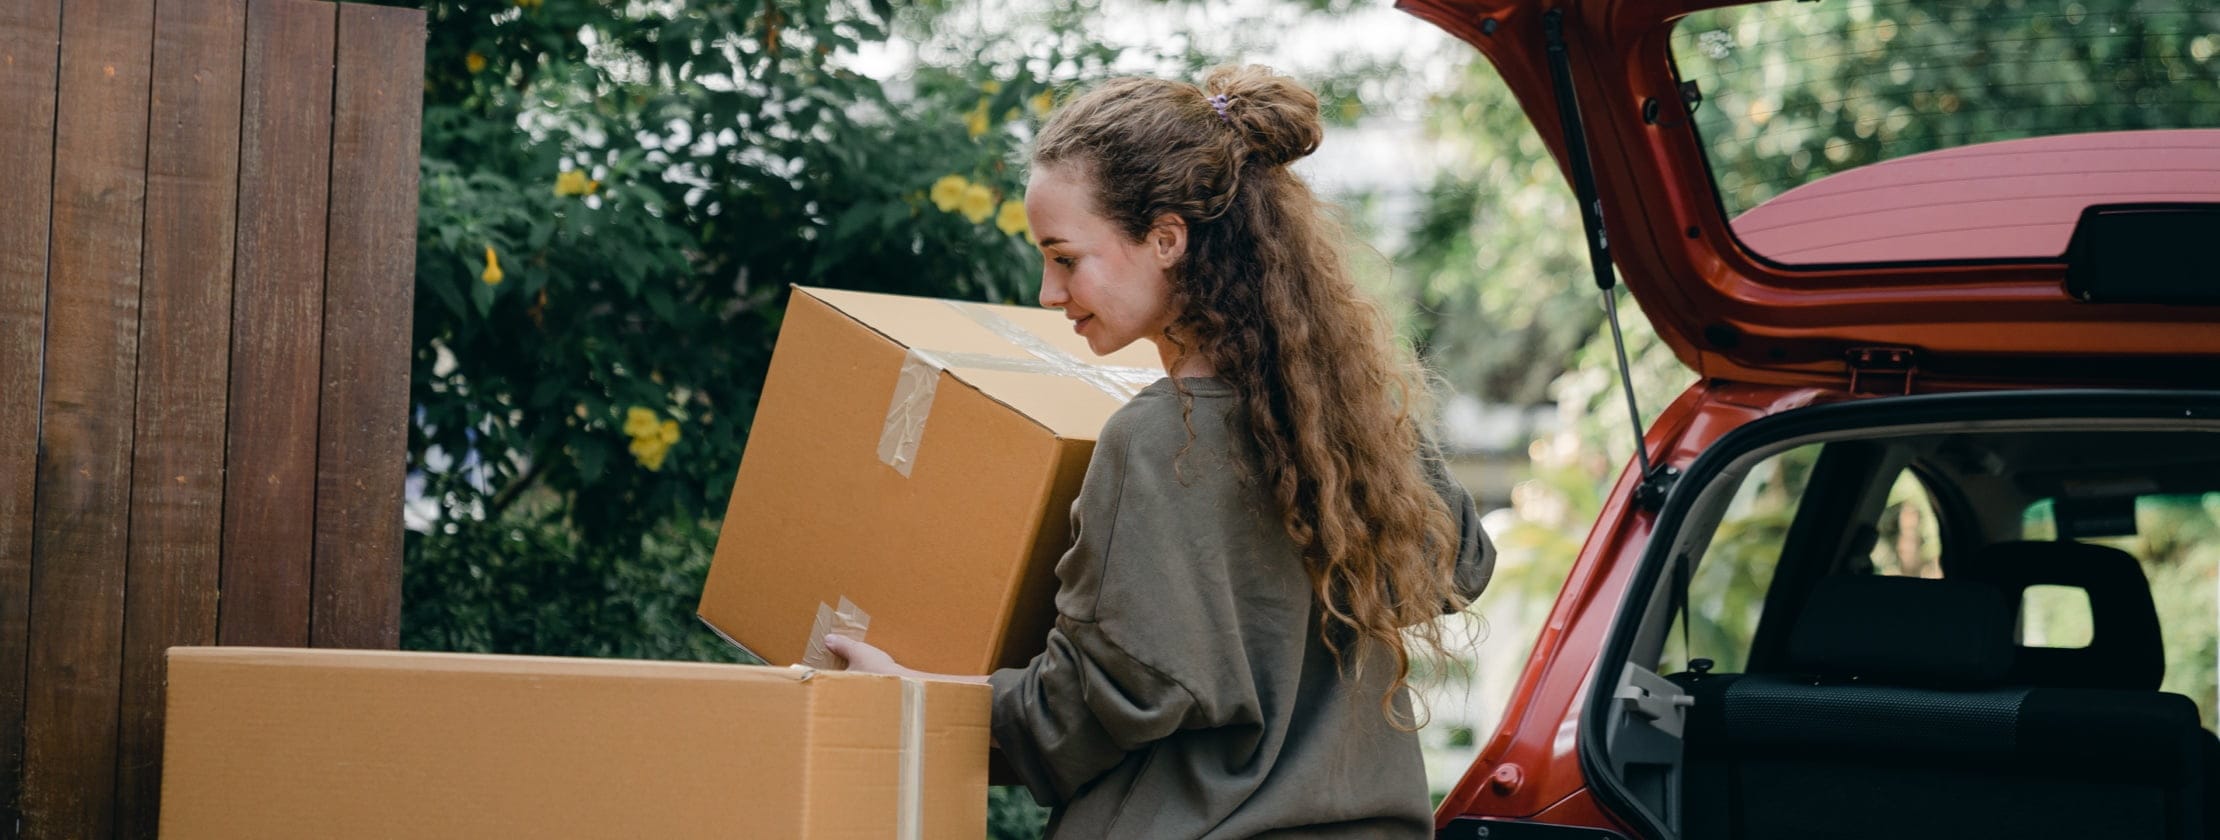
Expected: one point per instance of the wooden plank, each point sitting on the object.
(277, 323)
(79, 533)
(185, 339)
(369, 284)
(30, 39)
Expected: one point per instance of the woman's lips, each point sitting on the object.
(1080, 326)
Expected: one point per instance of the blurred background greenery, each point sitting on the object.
(616, 195)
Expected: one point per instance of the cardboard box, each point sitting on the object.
(919, 458)
(290, 743)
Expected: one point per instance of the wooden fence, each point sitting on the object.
(207, 244)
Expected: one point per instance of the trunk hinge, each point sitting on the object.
(1874, 369)
(1656, 481)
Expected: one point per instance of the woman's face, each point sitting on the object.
(1114, 290)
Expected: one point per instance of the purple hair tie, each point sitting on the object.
(1218, 103)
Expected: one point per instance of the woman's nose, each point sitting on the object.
(1052, 291)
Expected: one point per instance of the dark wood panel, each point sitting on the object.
(79, 532)
(185, 347)
(277, 323)
(30, 31)
(369, 285)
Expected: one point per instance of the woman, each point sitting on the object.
(1259, 533)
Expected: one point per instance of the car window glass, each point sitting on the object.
(1727, 592)
(2177, 541)
(2055, 617)
(1792, 93)
(1908, 537)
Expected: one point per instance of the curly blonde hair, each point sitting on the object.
(1332, 400)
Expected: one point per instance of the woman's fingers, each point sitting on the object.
(862, 656)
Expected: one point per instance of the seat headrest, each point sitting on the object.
(1904, 631)
(2125, 651)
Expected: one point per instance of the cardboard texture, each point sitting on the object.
(953, 559)
(287, 743)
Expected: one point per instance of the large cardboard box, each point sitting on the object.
(918, 458)
(290, 743)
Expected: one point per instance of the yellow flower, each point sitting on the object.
(1042, 102)
(1012, 218)
(575, 182)
(668, 432)
(492, 275)
(650, 452)
(976, 121)
(476, 62)
(640, 422)
(978, 203)
(948, 192)
(991, 86)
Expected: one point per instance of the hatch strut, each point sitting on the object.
(1651, 492)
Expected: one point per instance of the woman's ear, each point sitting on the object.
(1168, 240)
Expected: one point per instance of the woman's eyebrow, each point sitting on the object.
(1053, 240)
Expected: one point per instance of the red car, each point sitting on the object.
(1930, 548)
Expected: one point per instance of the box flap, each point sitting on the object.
(1026, 358)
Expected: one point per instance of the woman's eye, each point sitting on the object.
(1066, 261)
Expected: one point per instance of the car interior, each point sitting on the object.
(1956, 631)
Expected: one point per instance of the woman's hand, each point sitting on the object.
(863, 658)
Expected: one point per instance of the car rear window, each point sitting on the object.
(1794, 93)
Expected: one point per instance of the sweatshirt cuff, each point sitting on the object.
(1015, 739)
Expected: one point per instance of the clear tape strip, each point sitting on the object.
(847, 621)
(1119, 382)
(911, 823)
(912, 403)
(907, 411)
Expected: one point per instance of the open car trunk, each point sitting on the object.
(1925, 617)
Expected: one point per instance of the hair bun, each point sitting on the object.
(1277, 115)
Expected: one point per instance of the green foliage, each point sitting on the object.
(614, 201)
(1496, 276)
(487, 588)
(1012, 814)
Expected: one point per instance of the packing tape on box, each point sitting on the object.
(847, 621)
(913, 389)
(911, 822)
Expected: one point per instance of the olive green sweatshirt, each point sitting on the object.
(1185, 692)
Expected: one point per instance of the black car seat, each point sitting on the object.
(2125, 651)
(1894, 717)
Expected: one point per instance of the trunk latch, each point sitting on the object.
(1873, 369)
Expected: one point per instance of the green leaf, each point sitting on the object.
(591, 454)
(444, 289)
(481, 298)
(546, 393)
(853, 219)
(659, 302)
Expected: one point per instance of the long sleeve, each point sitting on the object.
(1475, 552)
(1078, 708)
(1142, 647)
(1185, 690)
